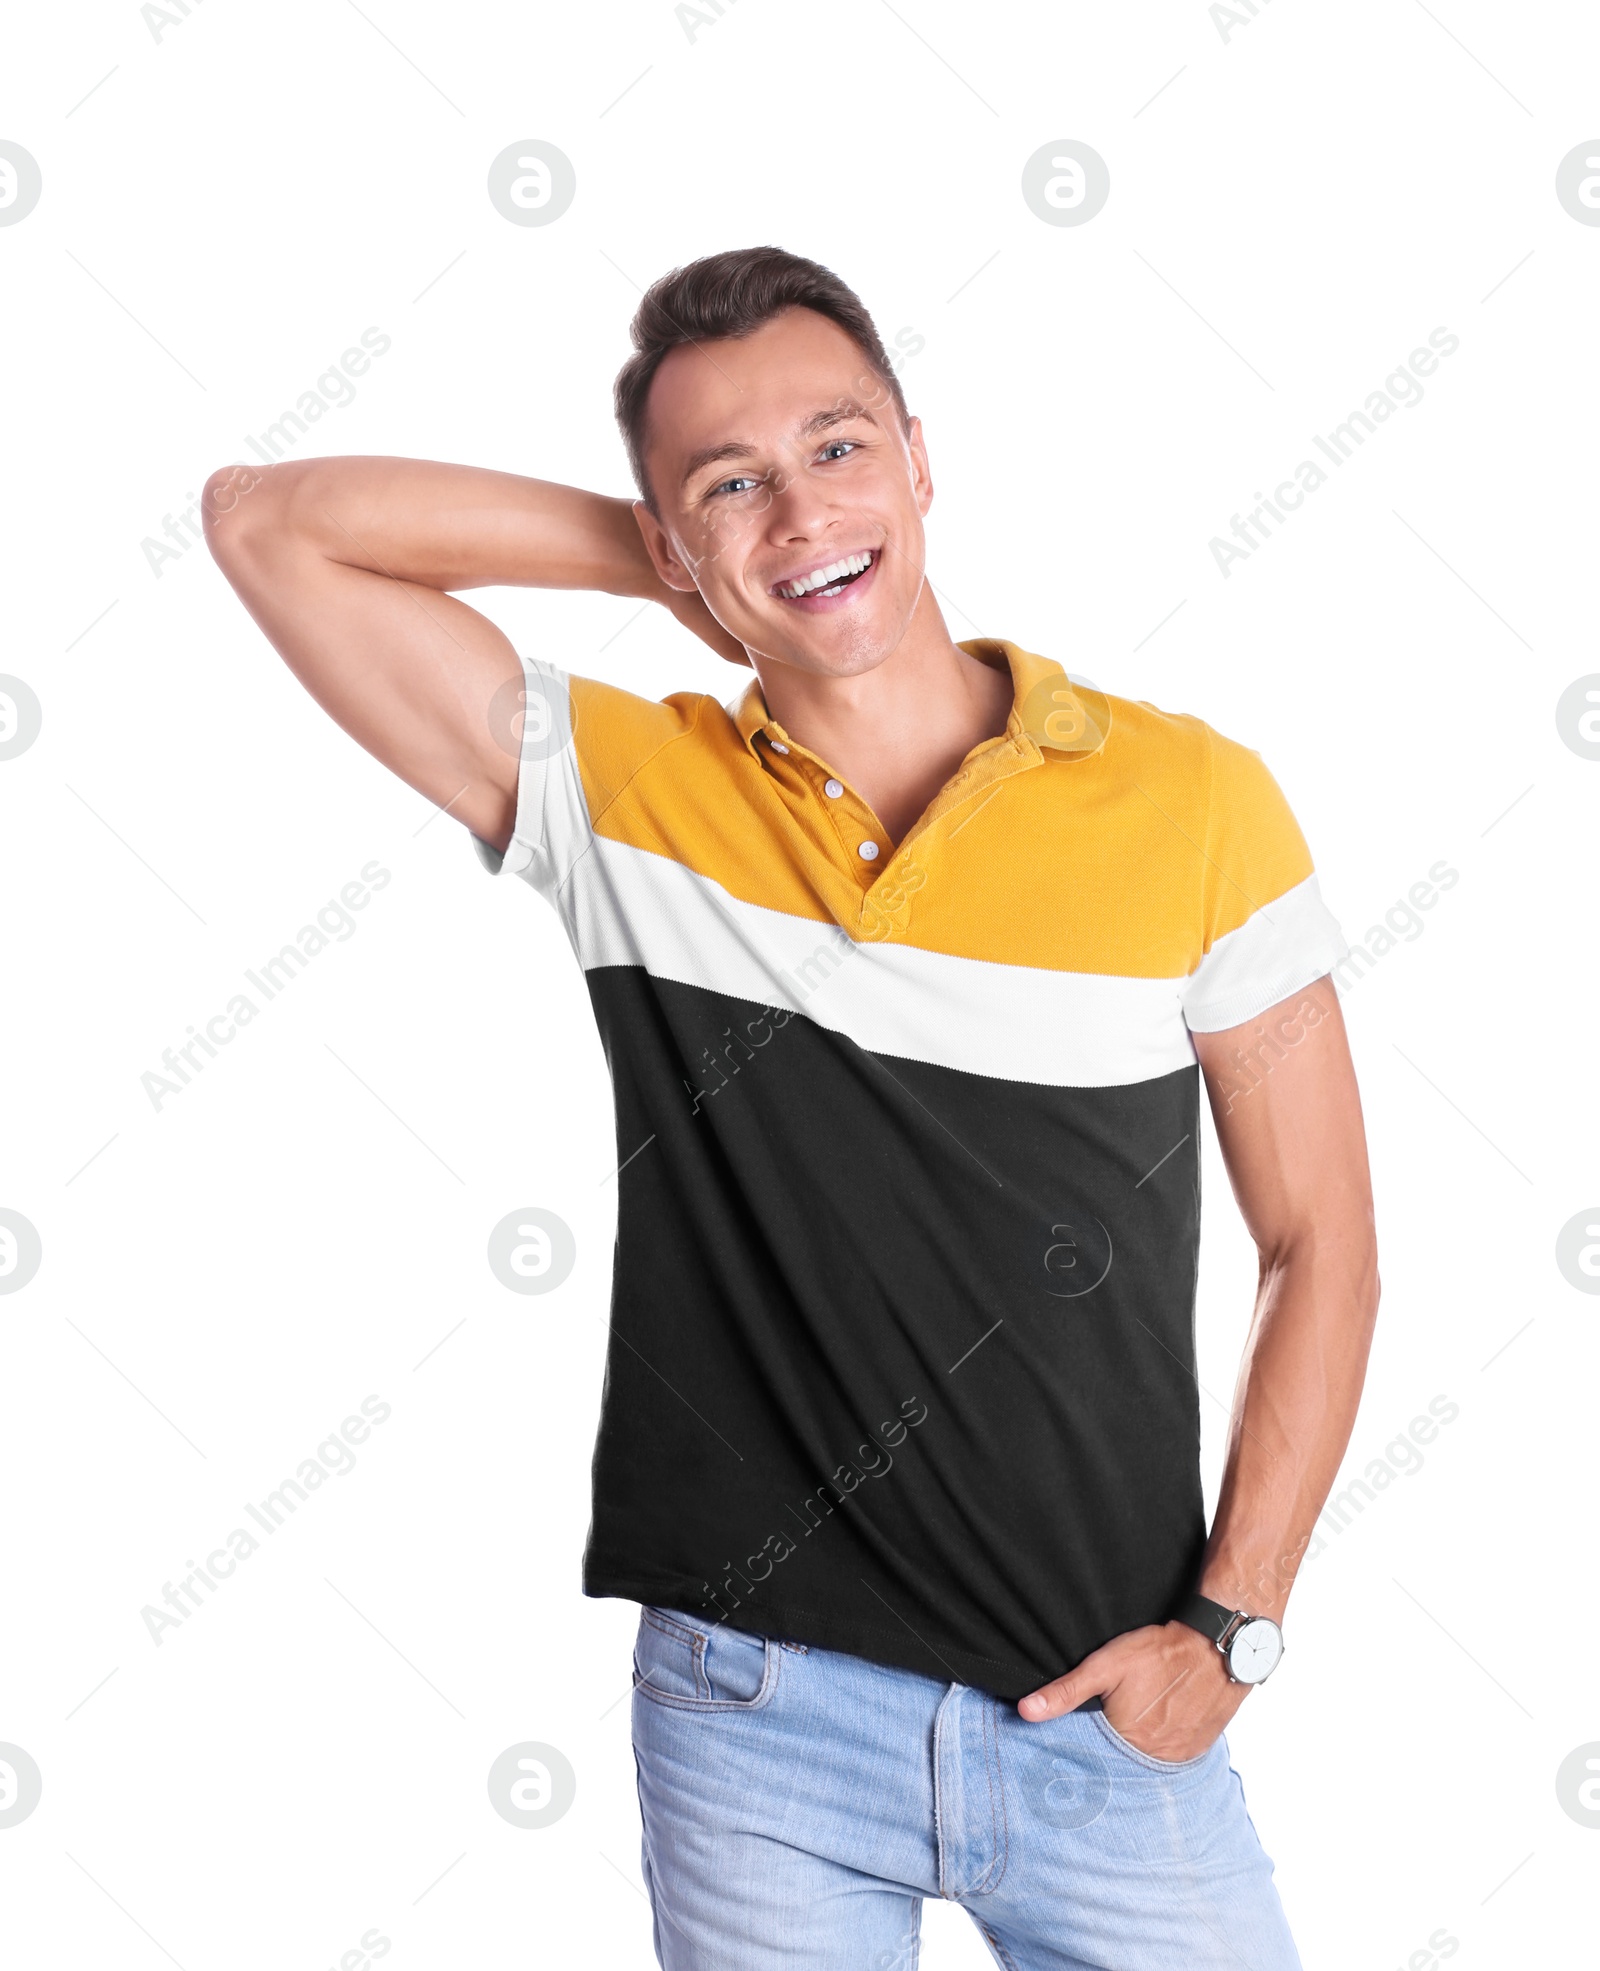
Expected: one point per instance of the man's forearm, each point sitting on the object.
(1299, 1389)
(447, 526)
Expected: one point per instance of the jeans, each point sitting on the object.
(799, 1803)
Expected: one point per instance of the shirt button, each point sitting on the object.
(778, 746)
(868, 852)
(833, 789)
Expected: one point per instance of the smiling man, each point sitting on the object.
(908, 964)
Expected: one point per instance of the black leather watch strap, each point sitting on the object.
(1211, 1618)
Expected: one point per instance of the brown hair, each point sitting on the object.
(728, 295)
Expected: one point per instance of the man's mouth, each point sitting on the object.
(831, 579)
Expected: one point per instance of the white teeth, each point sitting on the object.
(853, 564)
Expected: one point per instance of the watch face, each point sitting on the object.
(1254, 1652)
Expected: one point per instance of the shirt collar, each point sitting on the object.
(750, 713)
(1048, 711)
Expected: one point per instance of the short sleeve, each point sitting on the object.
(534, 722)
(1265, 930)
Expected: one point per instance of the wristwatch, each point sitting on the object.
(1251, 1645)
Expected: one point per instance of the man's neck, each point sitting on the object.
(898, 732)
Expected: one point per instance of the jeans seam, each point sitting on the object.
(994, 1943)
(999, 1833)
(942, 1830)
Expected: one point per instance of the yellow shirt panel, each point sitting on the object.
(1130, 861)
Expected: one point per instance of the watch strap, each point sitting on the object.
(1211, 1618)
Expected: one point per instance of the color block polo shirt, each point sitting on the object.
(901, 1356)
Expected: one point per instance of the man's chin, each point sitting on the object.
(828, 657)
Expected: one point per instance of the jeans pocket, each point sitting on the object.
(1148, 1759)
(682, 1660)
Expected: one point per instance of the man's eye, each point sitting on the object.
(745, 479)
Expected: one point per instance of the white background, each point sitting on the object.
(224, 1279)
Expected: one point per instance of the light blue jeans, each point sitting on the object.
(799, 1803)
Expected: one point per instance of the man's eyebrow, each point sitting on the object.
(739, 448)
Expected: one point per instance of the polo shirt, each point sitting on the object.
(901, 1356)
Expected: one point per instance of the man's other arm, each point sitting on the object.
(347, 565)
(1290, 1130)
(1293, 1141)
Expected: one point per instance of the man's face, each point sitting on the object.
(774, 458)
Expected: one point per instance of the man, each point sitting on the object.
(907, 966)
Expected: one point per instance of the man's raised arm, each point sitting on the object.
(347, 565)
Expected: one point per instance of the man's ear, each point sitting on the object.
(921, 471)
(658, 546)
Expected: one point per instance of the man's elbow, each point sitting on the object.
(225, 508)
(1341, 1258)
(243, 506)
(1366, 1287)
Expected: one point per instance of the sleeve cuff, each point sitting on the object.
(1281, 947)
(535, 720)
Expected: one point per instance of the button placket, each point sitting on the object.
(886, 906)
(881, 866)
(853, 824)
